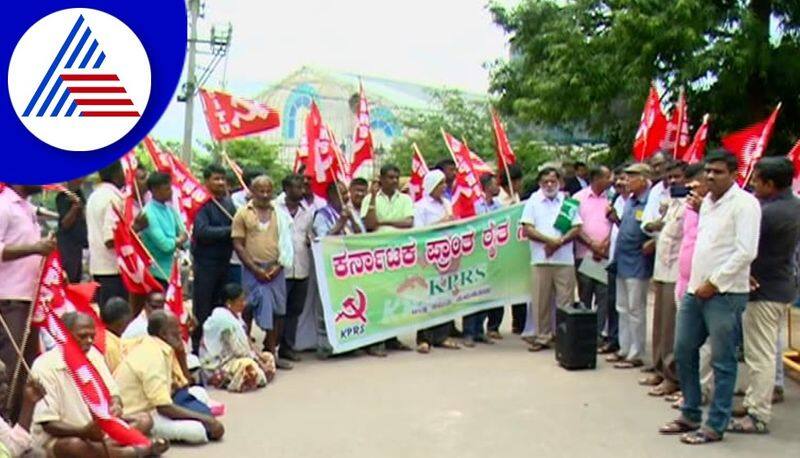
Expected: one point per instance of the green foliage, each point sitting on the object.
(466, 119)
(589, 63)
(248, 153)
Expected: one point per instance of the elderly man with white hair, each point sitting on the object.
(433, 209)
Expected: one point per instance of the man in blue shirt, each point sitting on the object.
(634, 269)
(165, 232)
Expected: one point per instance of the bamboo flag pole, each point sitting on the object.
(681, 117)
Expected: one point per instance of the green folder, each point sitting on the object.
(566, 215)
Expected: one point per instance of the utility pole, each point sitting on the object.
(191, 82)
(215, 48)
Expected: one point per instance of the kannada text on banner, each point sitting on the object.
(377, 286)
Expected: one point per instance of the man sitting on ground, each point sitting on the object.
(145, 381)
(116, 315)
(63, 424)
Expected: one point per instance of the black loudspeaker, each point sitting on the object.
(576, 337)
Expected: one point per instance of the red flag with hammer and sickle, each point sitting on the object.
(229, 116)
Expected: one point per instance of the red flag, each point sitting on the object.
(161, 158)
(362, 138)
(697, 149)
(468, 188)
(794, 156)
(90, 384)
(174, 299)
(478, 165)
(749, 144)
(63, 298)
(652, 128)
(341, 169)
(132, 259)
(678, 129)
(55, 187)
(418, 171)
(505, 155)
(320, 153)
(229, 116)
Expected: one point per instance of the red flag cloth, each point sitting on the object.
(161, 158)
(61, 297)
(341, 168)
(505, 155)
(652, 128)
(174, 299)
(749, 144)
(677, 139)
(229, 116)
(56, 187)
(478, 165)
(363, 150)
(794, 156)
(133, 260)
(320, 153)
(467, 187)
(418, 171)
(94, 392)
(697, 149)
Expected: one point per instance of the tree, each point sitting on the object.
(590, 62)
(467, 119)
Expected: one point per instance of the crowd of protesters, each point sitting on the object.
(718, 259)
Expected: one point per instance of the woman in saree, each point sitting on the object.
(228, 359)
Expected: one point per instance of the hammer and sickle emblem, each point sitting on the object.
(353, 310)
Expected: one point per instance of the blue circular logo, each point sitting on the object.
(86, 82)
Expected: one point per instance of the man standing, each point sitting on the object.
(552, 254)
(337, 219)
(262, 238)
(665, 276)
(71, 233)
(473, 324)
(298, 209)
(727, 242)
(21, 251)
(359, 188)
(659, 190)
(165, 233)
(618, 201)
(100, 222)
(772, 287)
(448, 166)
(581, 179)
(386, 210)
(634, 269)
(212, 247)
(594, 241)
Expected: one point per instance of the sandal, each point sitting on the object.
(679, 426)
(424, 348)
(652, 380)
(629, 364)
(450, 344)
(676, 396)
(666, 387)
(747, 425)
(538, 346)
(700, 437)
(615, 358)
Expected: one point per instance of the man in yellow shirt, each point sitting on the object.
(145, 385)
(63, 424)
(116, 315)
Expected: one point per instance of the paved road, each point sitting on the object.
(482, 402)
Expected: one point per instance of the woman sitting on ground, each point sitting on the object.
(227, 357)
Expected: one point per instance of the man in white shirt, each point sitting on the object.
(302, 215)
(552, 254)
(659, 192)
(727, 242)
(100, 222)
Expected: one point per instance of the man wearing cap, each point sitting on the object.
(634, 269)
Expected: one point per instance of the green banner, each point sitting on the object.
(377, 286)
